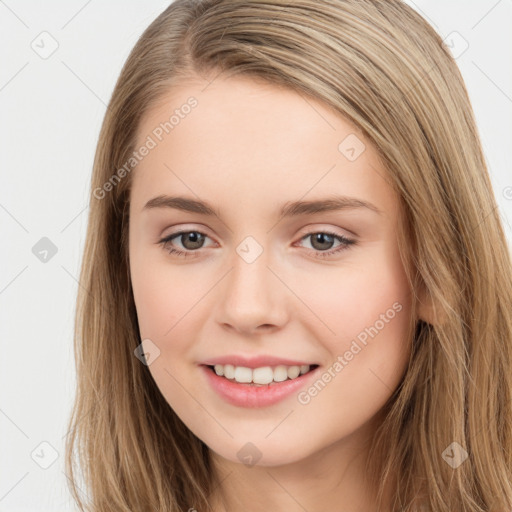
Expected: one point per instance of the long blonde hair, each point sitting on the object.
(381, 66)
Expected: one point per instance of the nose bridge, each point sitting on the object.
(250, 275)
(251, 295)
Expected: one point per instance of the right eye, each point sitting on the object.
(190, 240)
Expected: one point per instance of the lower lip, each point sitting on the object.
(246, 395)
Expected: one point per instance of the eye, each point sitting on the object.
(190, 240)
(322, 241)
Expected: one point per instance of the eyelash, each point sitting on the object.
(345, 243)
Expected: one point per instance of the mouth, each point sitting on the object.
(266, 376)
(257, 387)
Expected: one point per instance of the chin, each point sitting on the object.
(265, 453)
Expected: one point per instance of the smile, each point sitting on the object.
(260, 376)
(251, 394)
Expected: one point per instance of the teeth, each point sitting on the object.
(243, 375)
(294, 371)
(280, 373)
(263, 375)
(229, 371)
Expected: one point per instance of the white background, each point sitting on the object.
(51, 112)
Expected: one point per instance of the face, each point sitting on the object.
(275, 276)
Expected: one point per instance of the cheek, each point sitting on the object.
(345, 301)
(167, 306)
(368, 354)
(162, 296)
(364, 314)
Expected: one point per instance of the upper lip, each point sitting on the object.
(254, 362)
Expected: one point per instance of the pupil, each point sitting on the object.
(321, 238)
(194, 238)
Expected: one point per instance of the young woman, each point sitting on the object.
(296, 290)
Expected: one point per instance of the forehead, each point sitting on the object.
(252, 107)
(249, 138)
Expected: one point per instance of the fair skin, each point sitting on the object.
(248, 148)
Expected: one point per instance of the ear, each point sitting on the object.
(426, 309)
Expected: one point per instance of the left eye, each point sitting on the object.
(193, 240)
(322, 238)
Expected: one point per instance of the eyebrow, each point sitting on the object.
(290, 209)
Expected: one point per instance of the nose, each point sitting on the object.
(252, 298)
